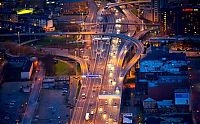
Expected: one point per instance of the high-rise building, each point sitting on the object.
(52, 6)
(155, 10)
(180, 20)
(74, 7)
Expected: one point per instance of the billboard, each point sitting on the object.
(182, 98)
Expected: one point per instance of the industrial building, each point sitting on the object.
(18, 68)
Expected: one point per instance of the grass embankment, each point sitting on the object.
(59, 41)
(54, 41)
(66, 68)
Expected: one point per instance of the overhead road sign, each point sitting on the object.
(91, 76)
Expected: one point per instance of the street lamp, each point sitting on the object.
(76, 63)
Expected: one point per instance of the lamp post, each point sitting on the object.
(76, 63)
(19, 42)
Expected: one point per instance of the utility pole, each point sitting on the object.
(19, 42)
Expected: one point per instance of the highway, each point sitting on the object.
(101, 96)
(111, 5)
(120, 23)
(90, 87)
(33, 99)
(83, 106)
(92, 12)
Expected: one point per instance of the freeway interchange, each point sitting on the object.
(99, 98)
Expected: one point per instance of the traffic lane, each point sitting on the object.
(92, 11)
(32, 103)
(90, 102)
(108, 111)
(86, 106)
(95, 93)
(102, 114)
(86, 101)
(96, 82)
(97, 87)
(76, 117)
(88, 96)
(78, 107)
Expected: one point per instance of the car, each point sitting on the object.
(11, 103)
(64, 91)
(83, 95)
(106, 7)
(93, 90)
(92, 112)
(87, 116)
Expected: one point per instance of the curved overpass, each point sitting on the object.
(135, 58)
(136, 42)
(63, 53)
(125, 3)
(114, 23)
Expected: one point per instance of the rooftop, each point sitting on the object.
(149, 100)
(72, 0)
(164, 91)
(20, 62)
(162, 54)
(158, 59)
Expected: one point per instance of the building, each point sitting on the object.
(2, 63)
(127, 118)
(172, 118)
(37, 20)
(182, 99)
(150, 11)
(53, 7)
(160, 66)
(8, 4)
(149, 105)
(18, 68)
(19, 27)
(34, 4)
(155, 10)
(8, 15)
(74, 7)
(163, 72)
(180, 20)
(141, 87)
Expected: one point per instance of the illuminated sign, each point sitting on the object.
(182, 98)
(25, 11)
(91, 76)
(189, 10)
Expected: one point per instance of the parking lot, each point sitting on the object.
(52, 107)
(12, 101)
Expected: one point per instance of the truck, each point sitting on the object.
(87, 116)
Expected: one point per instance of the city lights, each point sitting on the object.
(102, 62)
